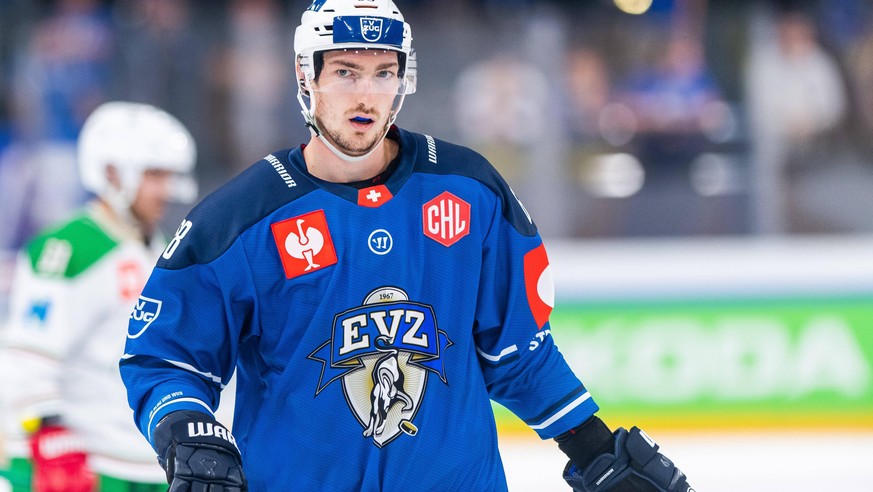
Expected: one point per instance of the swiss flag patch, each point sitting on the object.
(304, 243)
(538, 284)
(374, 196)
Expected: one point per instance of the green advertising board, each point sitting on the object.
(717, 364)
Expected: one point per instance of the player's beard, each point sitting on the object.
(348, 147)
(346, 142)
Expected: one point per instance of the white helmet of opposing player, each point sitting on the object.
(352, 25)
(133, 138)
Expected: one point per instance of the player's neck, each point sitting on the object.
(322, 163)
(128, 227)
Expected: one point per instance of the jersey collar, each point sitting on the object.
(378, 194)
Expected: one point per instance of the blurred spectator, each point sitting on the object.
(65, 72)
(795, 99)
(501, 100)
(594, 126)
(668, 113)
(501, 105)
(165, 61)
(862, 77)
(588, 93)
(257, 80)
(676, 108)
(674, 95)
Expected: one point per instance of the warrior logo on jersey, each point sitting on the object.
(383, 351)
(304, 243)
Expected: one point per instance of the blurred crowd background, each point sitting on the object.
(613, 120)
(610, 118)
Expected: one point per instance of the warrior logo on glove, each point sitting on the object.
(398, 344)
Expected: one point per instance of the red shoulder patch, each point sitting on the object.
(538, 284)
(304, 243)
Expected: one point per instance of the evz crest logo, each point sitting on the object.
(371, 29)
(383, 351)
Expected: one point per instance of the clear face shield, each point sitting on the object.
(361, 71)
(371, 71)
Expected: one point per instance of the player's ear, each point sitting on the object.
(113, 177)
(301, 78)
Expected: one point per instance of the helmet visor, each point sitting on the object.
(364, 71)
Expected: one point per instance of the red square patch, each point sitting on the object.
(304, 243)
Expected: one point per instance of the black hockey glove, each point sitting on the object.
(198, 454)
(632, 465)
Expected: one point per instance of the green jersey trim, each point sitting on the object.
(70, 249)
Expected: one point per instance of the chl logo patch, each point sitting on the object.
(383, 351)
(304, 243)
(538, 284)
(446, 219)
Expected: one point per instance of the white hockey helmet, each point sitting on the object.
(351, 25)
(134, 138)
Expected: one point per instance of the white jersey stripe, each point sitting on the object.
(564, 411)
(503, 353)
(171, 402)
(189, 367)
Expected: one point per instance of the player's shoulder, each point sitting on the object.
(215, 223)
(439, 156)
(70, 248)
(436, 156)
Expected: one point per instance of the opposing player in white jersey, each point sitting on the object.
(74, 289)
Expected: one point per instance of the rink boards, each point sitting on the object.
(713, 334)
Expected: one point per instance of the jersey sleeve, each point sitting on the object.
(52, 309)
(523, 369)
(185, 330)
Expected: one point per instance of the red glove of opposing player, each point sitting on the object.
(60, 463)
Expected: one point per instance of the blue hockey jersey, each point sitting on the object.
(370, 328)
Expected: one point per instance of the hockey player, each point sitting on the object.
(375, 289)
(75, 287)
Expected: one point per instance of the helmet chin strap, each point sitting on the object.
(342, 155)
(309, 117)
